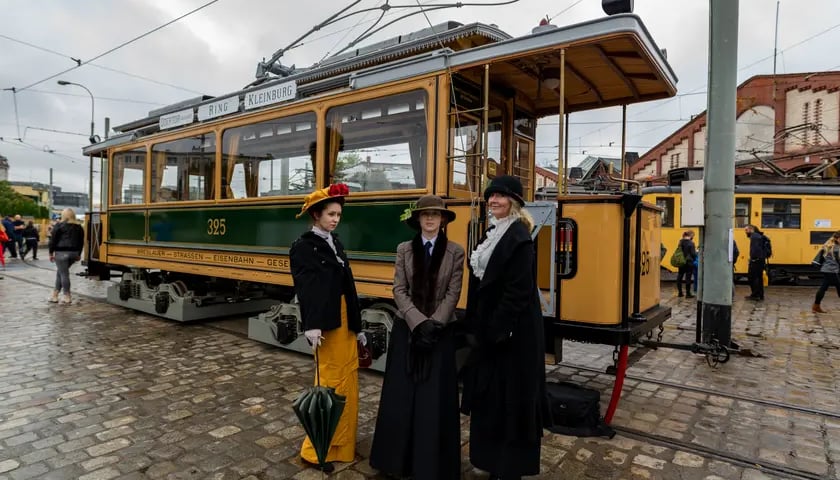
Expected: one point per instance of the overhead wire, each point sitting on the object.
(126, 43)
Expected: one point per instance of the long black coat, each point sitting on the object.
(504, 376)
(418, 426)
(320, 281)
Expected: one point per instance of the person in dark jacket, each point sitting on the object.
(65, 248)
(30, 238)
(830, 270)
(329, 307)
(686, 271)
(504, 375)
(10, 244)
(418, 428)
(758, 262)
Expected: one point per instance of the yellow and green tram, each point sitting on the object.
(798, 216)
(199, 200)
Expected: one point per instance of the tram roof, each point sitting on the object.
(609, 61)
(815, 187)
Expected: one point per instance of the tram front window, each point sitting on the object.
(380, 144)
(271, 158)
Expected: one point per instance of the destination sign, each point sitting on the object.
(262, 262)
(270, 95)
(217, 109)
(172, 120)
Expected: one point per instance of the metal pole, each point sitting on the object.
(719, 178)
(623, 141)
(563, 160)
(49, 213)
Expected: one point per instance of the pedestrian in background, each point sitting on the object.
(4, 238)
(830, 269)
(329, 308)
(504, 375)
(65, 249)
(758, 262)
(418, 428)
(10, 244)
(685, 272)
(19, 225)
(30, 238)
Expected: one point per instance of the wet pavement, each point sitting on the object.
(94, 391)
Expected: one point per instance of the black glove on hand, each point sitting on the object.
(426, 334)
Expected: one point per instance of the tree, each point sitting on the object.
(13, 203)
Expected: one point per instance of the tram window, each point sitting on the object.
(271, 158)
(128, 175)
(742, 212)
(183, 169)
(379, 144)
(524, 124)
(667, 206)
(780, 213)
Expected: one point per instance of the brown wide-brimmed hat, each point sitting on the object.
(429, 202)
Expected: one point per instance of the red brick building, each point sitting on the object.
(792, 120)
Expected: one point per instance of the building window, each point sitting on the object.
(675, 160)
(817, 126)
(667, 206)
(805, 116)
(780, 213)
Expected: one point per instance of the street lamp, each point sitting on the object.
(92, 139)
(64, 82)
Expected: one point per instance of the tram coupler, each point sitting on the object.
(714, 352)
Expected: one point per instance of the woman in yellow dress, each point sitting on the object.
(329, 308)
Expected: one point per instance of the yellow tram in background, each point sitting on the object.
(200, 198)
(797, 215)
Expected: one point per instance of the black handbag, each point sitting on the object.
(819, 259)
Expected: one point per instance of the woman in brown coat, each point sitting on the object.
(418, 427)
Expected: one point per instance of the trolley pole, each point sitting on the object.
(719, 178)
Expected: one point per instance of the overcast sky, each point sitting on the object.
(215, 51)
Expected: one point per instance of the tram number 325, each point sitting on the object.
(645, 262)
(216, 226)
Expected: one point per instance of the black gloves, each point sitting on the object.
(425, 335)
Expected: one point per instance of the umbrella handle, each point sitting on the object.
(317, 369)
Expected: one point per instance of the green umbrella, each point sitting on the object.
(319, 410)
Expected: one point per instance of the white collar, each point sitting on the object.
(321, 232)
(424, 239)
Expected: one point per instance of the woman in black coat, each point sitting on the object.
(418, 429)
(504, 376)
(329, 307)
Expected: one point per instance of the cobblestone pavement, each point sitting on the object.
(93, 391)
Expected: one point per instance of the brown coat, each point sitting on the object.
(447, 285)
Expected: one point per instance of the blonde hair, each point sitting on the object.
(68, 215)
(833, 240)
(523, 214)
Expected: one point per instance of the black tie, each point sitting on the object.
(428, 246)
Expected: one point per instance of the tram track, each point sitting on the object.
(711, 453)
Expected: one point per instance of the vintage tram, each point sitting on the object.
(200, 198)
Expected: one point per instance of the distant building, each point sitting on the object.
(4, 169)
(545, 177)
(40, 194)
(789, 120)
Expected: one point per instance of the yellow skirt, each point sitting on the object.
(338, 359)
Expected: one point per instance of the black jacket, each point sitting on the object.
(30, 232)
(67, 237)
(757, 246)
(320, 281)
(689, 250)
(504, 376)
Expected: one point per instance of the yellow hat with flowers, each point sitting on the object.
(334, 191)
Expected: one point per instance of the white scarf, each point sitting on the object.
(329, 238)
(484, 250)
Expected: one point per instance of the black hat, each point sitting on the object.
(429, 202)
(506, 185)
